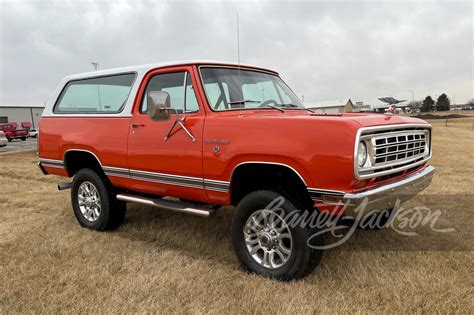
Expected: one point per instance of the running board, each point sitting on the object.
(176, 206)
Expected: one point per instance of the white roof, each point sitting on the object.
(23, 106)
(147, 67)
(140, 71)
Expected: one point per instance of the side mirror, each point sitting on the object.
(158, 105)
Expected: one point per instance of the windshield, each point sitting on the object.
(229, 88)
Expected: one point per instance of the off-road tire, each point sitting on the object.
(303, 259)
(112, 213)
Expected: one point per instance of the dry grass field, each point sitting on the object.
(167, 262)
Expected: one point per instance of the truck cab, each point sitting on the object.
(12, 132)
(196, 135)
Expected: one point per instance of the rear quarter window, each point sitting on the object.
(101, 95)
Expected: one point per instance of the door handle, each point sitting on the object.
(137, 125)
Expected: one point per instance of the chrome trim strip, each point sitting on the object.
(393, 170)
(117, 175)
(216, 185)
(51, 161)
(315, 191)
(164, 181)
(162, 178)
(170, 176)
(52, 165)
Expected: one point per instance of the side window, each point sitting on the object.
(180, 88)
(96, 95)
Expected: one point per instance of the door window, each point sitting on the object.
(179, 87)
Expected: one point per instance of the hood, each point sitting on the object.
(358, 120)
(366, 120)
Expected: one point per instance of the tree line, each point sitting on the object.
(429, 104)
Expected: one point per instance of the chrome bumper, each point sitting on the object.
(360, 205)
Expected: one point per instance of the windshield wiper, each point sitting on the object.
(252, 101)
(296, 107)
(275, 107)
(242, 102)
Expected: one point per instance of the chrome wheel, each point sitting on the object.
(268, 238)
(88, 199)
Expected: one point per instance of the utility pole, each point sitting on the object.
(95, 65)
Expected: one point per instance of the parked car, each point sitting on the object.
(210, 134)
(33, 133)
(11, 131)
(3, 139)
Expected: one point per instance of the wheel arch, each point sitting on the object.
(76, 159)
(249, 176)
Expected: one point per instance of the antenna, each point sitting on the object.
(238, 41)
(238, 66)
(95, 65)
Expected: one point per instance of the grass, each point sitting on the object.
(161, 261)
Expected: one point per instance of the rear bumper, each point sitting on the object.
(385, 197)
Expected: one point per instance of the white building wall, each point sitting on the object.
(22, 114)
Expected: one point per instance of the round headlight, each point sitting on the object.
(361, 154)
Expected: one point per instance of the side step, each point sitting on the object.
(177, 206)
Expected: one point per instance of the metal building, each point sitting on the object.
(331, 107)
(21, 113)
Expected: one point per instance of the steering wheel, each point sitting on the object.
(268, 102)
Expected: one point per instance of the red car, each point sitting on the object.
(210, 134)
(11, 131)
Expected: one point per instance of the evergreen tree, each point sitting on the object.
(428, 104)
(443, 103)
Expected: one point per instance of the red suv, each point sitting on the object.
(209, 134)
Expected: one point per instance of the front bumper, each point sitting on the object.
(361, 205)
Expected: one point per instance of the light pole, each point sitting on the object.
(95, 65)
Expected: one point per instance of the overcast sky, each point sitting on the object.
(324, 50)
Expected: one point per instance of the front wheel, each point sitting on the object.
(23, 138)
(94, 203)
(267, 243)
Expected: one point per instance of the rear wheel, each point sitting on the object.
(23, 138)
(266, 243)
(94, 202)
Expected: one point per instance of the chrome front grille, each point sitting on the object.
(397, 147)
(392, 149)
